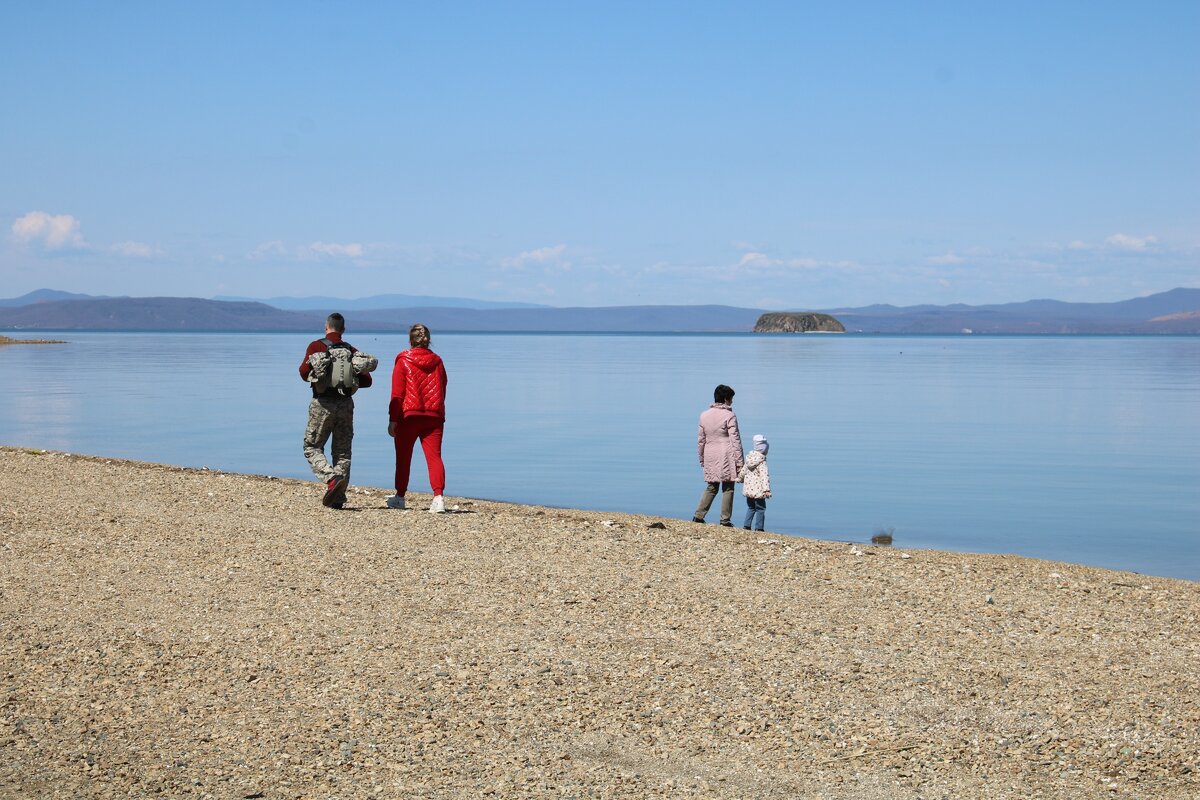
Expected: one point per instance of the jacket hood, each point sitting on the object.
(422, 358)
(754, 458)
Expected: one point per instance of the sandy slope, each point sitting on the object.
(187, 633)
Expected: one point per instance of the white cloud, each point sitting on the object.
(947, 259)
(541, 256)
(52, 231)
(756, 261)
(352, 250)
(276, 249)
(271, 249)
(1122, 241)
(1077, 245)
(62, 232)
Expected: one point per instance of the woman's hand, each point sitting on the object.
(392, 429)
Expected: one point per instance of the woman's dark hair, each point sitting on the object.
(723, 394)
(418, 336)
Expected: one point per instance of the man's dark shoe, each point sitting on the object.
(335, 494)
(698, 519)
(726, 524)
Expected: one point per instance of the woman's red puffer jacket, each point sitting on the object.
(418, 385)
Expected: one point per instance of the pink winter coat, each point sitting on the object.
(720, 444)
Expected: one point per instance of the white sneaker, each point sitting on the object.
(396, 501)
(438, 506)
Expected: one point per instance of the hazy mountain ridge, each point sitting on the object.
(1176, 311)
(1165, 312)
(154, 313)
(375, 302)
(43, 296)
(195, 314)
(613, 319)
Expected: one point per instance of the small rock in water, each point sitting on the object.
(883, 537)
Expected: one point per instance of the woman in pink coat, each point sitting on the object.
(720, 447)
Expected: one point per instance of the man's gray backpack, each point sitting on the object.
(339, 367)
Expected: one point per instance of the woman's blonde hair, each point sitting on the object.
(418, 335)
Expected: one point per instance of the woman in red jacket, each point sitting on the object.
(418, 411)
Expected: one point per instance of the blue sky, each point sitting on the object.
(778, 155)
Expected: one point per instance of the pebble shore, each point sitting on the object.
(170, 632)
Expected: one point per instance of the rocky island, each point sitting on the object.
(797, 322)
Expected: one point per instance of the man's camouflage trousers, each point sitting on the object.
(329, 416)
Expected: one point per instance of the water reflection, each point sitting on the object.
(1079, 448)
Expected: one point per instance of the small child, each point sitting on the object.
(756, 483)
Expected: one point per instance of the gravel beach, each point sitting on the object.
(175, 632)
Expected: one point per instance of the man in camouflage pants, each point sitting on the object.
(330, 414)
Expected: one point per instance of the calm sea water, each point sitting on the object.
(1084, 449)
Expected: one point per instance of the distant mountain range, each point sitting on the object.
(1176, 311)
(193, 314)
(615, 319)
(375, 302)
(155, 314)
(43, 296)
